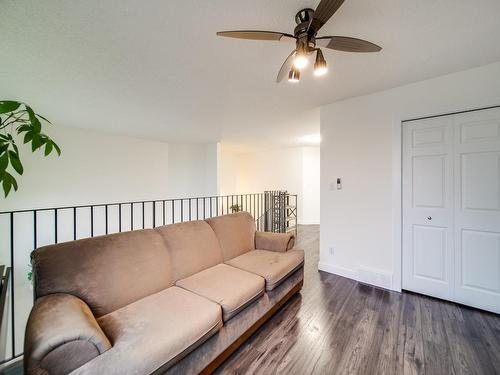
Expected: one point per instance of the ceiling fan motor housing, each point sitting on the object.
(304, 15)
(304, 32)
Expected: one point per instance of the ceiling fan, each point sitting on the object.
(309, 22)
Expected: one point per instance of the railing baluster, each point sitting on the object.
(91, 221)
(12, 300)
(173, 211)
(197, 209)
(55, 225)
(106, 218)
(74, 223)
(154, 214)
(131, 216)
(35, 234)
(261, 207)
(143, 225)
(119, 218)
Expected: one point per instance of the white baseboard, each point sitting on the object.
(366, 275)
(337, 270)
(375, 277)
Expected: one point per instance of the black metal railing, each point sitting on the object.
(24, 230)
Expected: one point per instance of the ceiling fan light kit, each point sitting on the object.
(300, 59)
(320, 66)
(309, 22)
(294, 75)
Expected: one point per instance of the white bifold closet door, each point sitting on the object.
(451, 207)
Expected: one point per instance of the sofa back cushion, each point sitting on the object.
(192, 247)
(236, 233)
(107, 272)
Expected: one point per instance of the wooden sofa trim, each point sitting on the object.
(212, 366)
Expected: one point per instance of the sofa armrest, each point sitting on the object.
(274, 241)
(62, 334)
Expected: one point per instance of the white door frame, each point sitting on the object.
(397, 197)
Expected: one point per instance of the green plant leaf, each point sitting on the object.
(4, 161)
(48, 148)
(14, 183)
(36, 142)
(35, 123)
(43, 118)
(28, 137)
(23, 128)
(8, 182)
(58, 150)
(28, 123)
(15, 162)
(44, 138)
(8, 106)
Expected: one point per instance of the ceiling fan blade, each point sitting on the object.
(285, 68)
(324, 11)
(257, 35)
(347, 44)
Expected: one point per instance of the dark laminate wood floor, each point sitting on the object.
(339, 326)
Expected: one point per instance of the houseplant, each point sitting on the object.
(18, 120)
(235, 208)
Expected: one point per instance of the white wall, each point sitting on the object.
(270, 170)
(228, 172)
(361, 143)
(310, 203)
(293, 169)
(94, 167)
(98, 167)
(192, 170)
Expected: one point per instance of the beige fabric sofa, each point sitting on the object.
(176, 299)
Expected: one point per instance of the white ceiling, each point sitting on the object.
(156, 69)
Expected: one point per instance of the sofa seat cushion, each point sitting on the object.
(155, 332)
(273, 266)
(230, 287)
